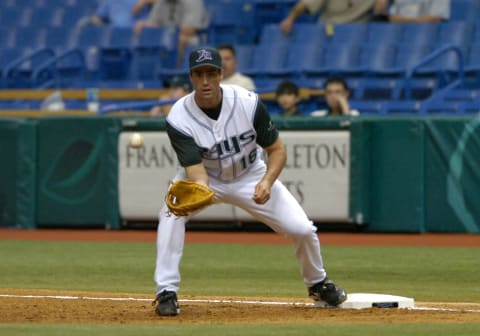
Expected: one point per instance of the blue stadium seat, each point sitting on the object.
(39, 17)
(464, 10)
(346, 34)
(5, 37)
(301, 33)
(268, 60)
(157, 37)
(375, 89)
(56, 38)
(460, 95)
(267, 84)
(65, 70)
(336, 59)
(151, 52)
(118, 37)
(420, 88)
(88, 36)
(406, 56)
(440, 107)
(271, 34)
(165, 72)
(67, 17)
(11, 16)
(458, 33)
(25, 36)
(398, 107)
(470, 107)
(310, 82)
(230, 22)
(367, 107)
(380, 33)
(83, 7)
(115, 55)
(418, 34)
(270, 11)
(376, 57)
(301, 56)
(445, 66)
(7, 56)
(476, 32)
(18, 74)
(309, 33)
(472, 60)
(243, 53)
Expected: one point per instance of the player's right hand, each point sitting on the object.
(262, 192)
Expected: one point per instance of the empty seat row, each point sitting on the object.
(453, 32)
(416, 107)
(348, 60)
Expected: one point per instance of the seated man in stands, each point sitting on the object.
(331, 11)
(229, 65)
(336, 97)
(189, 16)
(413, 11)
(178, 87)
(288, 97)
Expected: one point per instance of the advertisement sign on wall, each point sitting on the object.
(317, 174)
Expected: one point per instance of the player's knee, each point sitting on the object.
(302, 231)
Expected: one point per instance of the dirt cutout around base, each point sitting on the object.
(81, 308)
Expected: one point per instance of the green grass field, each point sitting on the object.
(427, 274)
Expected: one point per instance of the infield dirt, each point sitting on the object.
(26, 305)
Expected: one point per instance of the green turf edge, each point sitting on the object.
(330, 329)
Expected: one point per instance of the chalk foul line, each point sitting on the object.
(213, 301)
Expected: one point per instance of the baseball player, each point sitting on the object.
(218, 133)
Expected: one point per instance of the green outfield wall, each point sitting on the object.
(407, 174)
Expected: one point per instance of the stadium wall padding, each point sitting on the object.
(407, 174)
(17, 173)
(74, 172)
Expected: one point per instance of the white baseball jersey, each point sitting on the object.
(228, 144)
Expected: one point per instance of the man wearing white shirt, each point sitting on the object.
(229, 65)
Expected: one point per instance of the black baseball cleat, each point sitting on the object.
(327, 291)
(167, 304)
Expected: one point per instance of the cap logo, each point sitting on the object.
(204, 55)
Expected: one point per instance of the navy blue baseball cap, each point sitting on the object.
(205, 57)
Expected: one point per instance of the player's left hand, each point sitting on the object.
(262, 192)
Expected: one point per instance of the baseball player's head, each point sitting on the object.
(206, 73)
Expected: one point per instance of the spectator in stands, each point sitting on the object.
(336, 97)
(287, 96)
(229, 65)
(331, 11)
(178, 87)
(119, 13)
(407, 11)
(189, 16)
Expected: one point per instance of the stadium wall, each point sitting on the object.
(405, 174)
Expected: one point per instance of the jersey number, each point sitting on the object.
(248, 160)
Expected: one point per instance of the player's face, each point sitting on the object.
(229, 63)
(206, 82)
